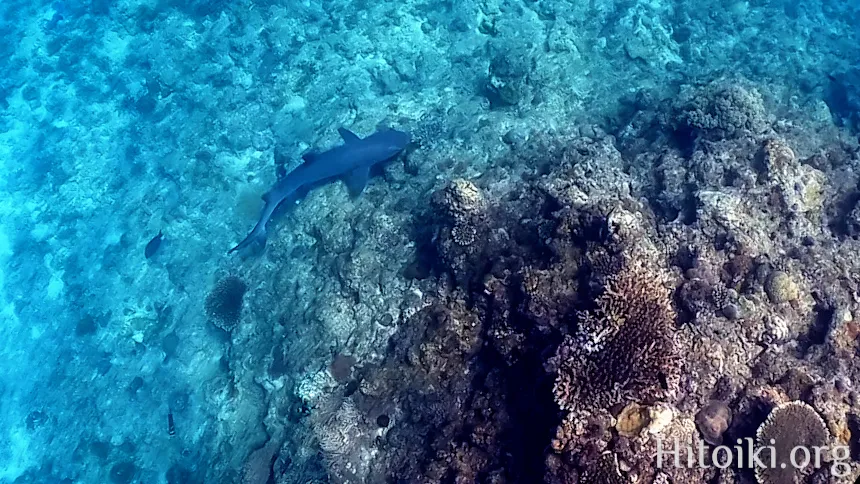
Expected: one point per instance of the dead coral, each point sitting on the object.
(623, 351)
(549, 294)
(461, 225)
(777, 157)
(446, 418)
(258, 466)
(799, 187)
(341, 367)
(224, 304)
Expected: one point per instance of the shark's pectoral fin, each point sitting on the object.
(348, 136)
(356, 180)
(310, 156)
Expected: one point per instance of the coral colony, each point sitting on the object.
(496, 242)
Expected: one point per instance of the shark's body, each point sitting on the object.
(352, 160)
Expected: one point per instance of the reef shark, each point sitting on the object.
(352, 161)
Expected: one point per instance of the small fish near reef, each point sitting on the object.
(351, 160)
(153, 245)
(171, 427)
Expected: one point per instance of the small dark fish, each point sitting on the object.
(664, 382)
(153, 245)
(171, 428)
(61, 12)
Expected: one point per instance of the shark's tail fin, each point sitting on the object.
(257, 237)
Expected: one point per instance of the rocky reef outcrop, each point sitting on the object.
(686, 278)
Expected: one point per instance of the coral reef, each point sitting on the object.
(622, 223)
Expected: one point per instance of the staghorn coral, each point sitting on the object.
(625, 350)
(224, 303)
(789, 425)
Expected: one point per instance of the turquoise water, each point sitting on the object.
(120, 120)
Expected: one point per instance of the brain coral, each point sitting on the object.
(780, 287)
(790, 425)
(623, 351)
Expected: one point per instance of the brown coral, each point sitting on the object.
(632, 419)
(725, 110)
(790, 425)
(780, 288)
(625, 350)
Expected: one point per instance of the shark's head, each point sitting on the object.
(394, 141)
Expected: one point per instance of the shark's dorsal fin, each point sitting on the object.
(348, 136)
(356, 180)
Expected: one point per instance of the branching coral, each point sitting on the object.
(624, 350)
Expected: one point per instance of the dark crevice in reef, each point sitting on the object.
(685, 139)
(531, 407)
(823, 313)
(843, 98)
(845, 223)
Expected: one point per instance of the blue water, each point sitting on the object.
(122, 119)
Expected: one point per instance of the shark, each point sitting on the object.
(350, 161)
